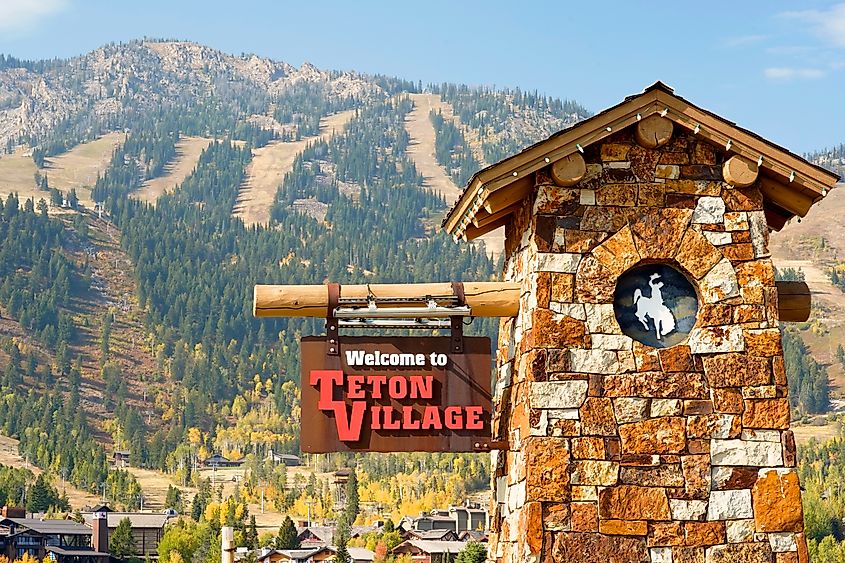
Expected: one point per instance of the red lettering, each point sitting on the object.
(431, 419)
(407, 419)
(454, 420)
(422, 386)
(377, 381)
(397, 387)
(376, 423)
(355, 388)
(474, 414)
(389, 422)
(348, 428)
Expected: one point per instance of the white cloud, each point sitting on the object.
(17, 16)
(828, 24)
(790, 73)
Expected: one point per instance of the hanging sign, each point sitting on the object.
(395, 394)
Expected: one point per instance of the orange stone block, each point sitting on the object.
(588, 447)
(704, 533)
(597, 417)
(531, 527)
(585, 517)
(664, 534)
(665, 435)
(547, 469)
(766, 413)
(623, 527)
(629, 502)
(776, 498)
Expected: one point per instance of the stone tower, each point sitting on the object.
(641, 399)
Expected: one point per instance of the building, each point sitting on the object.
(423, 551)
(317, 536)
(287, 459)
(456, 518)
(64, 541)
(120, 458)
(147, 528)
(434, 535)
(315, 554)
(218, 460)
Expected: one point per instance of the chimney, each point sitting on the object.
(100, 528)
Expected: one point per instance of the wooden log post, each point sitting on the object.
(653, 131)
(485, 299)
(740, 172)
(569, 170)
(794, 301)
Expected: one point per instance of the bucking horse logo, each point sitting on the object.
(655, 308)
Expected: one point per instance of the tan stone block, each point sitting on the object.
(623, 527)
(588, 447)
(696, 254)
(663, 475)
(703, 153)
(674, 158)
(595, 282)
(786, 557)
(736, 221)
(584, 493)
(759, 552)
(622, 195)
(663, 534)
(776, 498)
(728, 401)
(646, 358)
(765, 342)
(595, 472)
(749, 314)
(650, 195)
(562, 287)
(667, 171)
(658, 232)
(618, 253)
(656, 384)
(736, 370)
(628, 502)
(614, 151)
(694, 187)
(597, 417)
(714, 314)
(585, 517)
(704, 533)
(766, 413)
(743, 199)
(548, 332)
(556, 516)
(779, 370)
(752, 295)
(803, 556)
(755, 272)
(696, 470)
(547, 473)
(643, 162)
(576, 240)
(665, 435)
(676, 358)
(736, 252)
(688, 555)
(607, 219)
(544, 289)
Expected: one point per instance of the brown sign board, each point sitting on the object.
(395, 394)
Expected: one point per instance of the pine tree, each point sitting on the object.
(350, 511)
(474, 552)
(341, 538)
(121, 542)
(287, 535)
(251, 533)
(41, 495)
(173, 499)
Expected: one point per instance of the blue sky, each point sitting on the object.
(775, 67)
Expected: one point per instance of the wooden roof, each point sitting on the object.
(790, 184)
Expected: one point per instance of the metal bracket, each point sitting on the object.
(491, 445)
(332, 324)
(456, 321)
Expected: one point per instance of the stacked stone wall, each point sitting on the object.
(618, 451)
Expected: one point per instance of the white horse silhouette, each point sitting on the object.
(654, 307)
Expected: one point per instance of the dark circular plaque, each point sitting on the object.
(655, 304)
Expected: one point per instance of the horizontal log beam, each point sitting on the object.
(506, 197)
(485, 299)
(484, 219)
(794, 301)
(781, 195)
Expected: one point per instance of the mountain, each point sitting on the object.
(212, 172)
